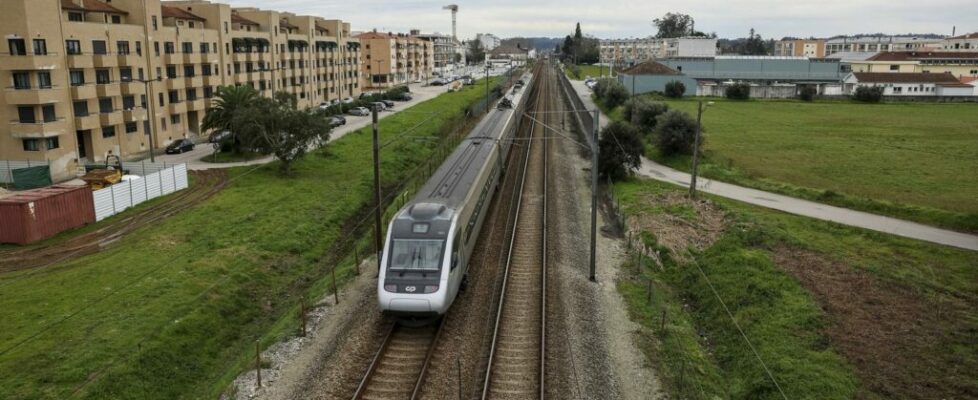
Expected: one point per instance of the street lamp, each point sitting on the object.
(152, 118)
(696, 147)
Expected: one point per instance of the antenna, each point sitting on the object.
(454, 9)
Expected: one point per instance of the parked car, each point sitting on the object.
(404, 97)
(179, 146)
(219, 136)
(468, 81)
(438, 82)
(359, 111)
(347, 100)
(388, 103)
(337, 120)
(379, 105)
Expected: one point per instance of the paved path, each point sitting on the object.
(793, 205)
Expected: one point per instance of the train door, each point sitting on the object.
(457, 270)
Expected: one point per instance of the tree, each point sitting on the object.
(675, 89)
(275, 126)
(611, 92)
(869, 94)
(738, 91)
(476, 53)
(642, 112)
(754, 45)
(227, 102)
(619, 150)
(577, 33)
(673, 25)
(675, 133)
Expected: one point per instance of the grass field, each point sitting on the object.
(230, 157)
(584, 71)
(912, 161)
(173, 311)
(807, 294)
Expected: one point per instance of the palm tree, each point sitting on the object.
(229, 100)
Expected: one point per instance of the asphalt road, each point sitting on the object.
(793, 205)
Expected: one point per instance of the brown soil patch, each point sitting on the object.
(679, 233)
(901, 343)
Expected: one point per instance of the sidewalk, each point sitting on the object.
(913, 230)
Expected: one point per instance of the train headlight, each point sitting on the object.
(430, 288)
(390, 288)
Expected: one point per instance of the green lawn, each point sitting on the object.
(230, 157)
(580, 72)
(782, 319)
(912, 161)
(172, 311)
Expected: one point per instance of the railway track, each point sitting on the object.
(398, 369)
(517, 356)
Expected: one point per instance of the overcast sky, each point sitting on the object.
(632, 18)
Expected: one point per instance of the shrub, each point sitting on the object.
(675, 132)
(869, 94)
(619, 150)
(642, 112)
(615, 95)
(601, 86)
(808, 93)
(738, 91)
(675, 89)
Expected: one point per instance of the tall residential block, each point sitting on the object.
(86, 77)
(391, 59)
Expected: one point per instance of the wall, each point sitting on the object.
(756, 91)
(757, 68)
(656, 83)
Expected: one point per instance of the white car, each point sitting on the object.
(359, 111)
(347, 100)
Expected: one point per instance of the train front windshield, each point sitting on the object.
(413, 255)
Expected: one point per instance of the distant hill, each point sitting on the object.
(538, 43)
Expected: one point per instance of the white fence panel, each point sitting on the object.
(154, 182)
(121, 195)
(103, 204)
(168, 179)
(116, 198)
(138, 188)
(181, 176)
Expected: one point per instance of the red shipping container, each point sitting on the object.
(32, 215)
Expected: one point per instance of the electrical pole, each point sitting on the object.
(696, 150)
(149, 113)
(594, 194)
(378, 243)
(487, 86)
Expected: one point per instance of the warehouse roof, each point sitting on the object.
(651, 68)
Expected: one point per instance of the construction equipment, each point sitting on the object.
(101, 176)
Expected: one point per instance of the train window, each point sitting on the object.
(456, 250)
(419, 228)
(416, 255)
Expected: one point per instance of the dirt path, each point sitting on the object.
(206, 184)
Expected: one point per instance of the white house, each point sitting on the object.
(966, 42)
(909, 84)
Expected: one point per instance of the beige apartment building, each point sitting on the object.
(391, 59)
(89, 77)
(811, 48)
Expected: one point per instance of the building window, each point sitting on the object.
(81, 108)
(40, 47)
(205, 69)
(156, 48)
(123, 47)
(175, 119)
(169, 48)
(32, 144)
(25, 114)
(204, 48)
(174, 96)
(160, 95)
(73, 46)
(155, 25)
(125, 74)
(139, 48)
(77, 77)
(44, 79)
(128, 102)
(108, 132)
(105, 105)
(188, 71)
(47, 112)
(188, 48)
(52, 143)
(102, 76)
(208, 92)
(191, 94)
(98, 47)
(142, 100)
(131, 127)
(22, 80)
(75, 17)
(116, 19)
(17, 47)
(171, 71)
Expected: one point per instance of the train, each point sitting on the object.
(429, 241)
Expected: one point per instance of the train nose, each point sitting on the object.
(410, 305)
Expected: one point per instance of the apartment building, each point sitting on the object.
(635, 51)
(875, 44)
(445, 51)
(391, 59)
(89, 77)
(966, 42)
(811, 48)
(488, 40)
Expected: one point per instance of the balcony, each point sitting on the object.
(105, 61)
(212, 80)
(108, 90)
(131, 60)
(176, 83)
(134, 114)
(76, 61)
(82, 92)
(110, 118)
(38, 130)
(28, 62)
(194, 82)
(192, 58)
(88, 121)
(172, 58)
(132, 88)
(196, 105)
(178, 108)
(35, 95)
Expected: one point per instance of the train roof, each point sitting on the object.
(453, 180)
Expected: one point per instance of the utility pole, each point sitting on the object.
(378, 242)
(594, 194)
(152, 119)
(487, 86)
(696, 149)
